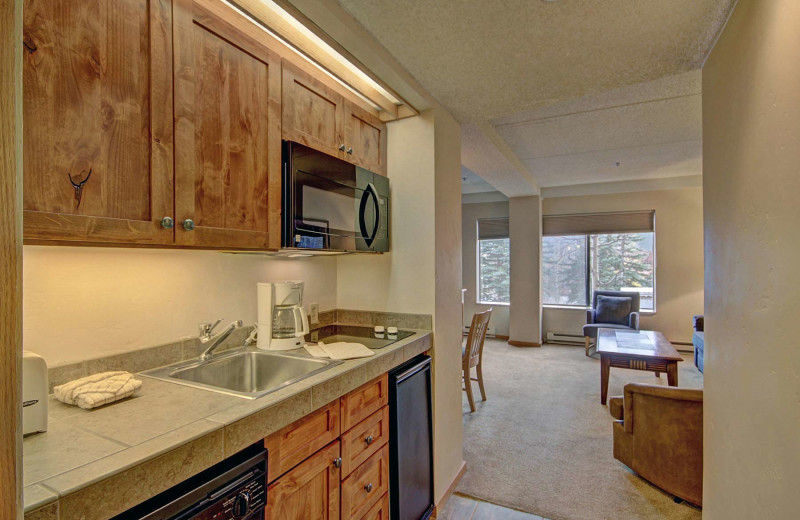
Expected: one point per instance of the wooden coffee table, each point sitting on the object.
(656, 355)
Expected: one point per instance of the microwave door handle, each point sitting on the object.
(369, 192)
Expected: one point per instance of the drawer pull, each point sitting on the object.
(369, 439)
(368, 488)
(337, 462)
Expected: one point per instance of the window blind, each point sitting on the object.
(492, 228)
(595, 223)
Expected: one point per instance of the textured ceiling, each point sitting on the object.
(484, 59)
(471, 183)
(644, 131)
(563, 90)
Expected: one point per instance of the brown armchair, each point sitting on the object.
(659, 435)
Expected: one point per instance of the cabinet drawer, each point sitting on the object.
(364, 439)
(379, 511)
(366, 485)
(364, 401)
(296, 442)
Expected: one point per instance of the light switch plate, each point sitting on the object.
(314, 310)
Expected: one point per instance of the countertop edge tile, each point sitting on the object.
(37, 496)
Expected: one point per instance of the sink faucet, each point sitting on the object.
(205, 337)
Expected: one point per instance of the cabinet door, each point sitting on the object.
(364, 139)
(313, 113)
(308, 492)
(97, 97)
(227, 131)
(294, 443)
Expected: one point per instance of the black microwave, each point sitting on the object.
(330, 204)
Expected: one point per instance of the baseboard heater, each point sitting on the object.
(567, 338)
(490, 331)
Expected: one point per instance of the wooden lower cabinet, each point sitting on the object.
(366, 485)
(293, 444)
(364, 401)
(310, 491)
(316, 474)
(379, 511)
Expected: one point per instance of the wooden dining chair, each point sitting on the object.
(472, 354)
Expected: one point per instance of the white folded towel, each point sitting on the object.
(98, 389)
(339, 350)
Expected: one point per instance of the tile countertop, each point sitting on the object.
(137, 439)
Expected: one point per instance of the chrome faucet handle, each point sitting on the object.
(218, 339)
(206, 329)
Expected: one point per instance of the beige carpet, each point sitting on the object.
(542, 442)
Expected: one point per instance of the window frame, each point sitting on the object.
(588, 282)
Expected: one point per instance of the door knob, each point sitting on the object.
(350, 151)
(167, 222)
(342, 147)
(368, 439)
(337, 462)
(188, 224)
(368, 488)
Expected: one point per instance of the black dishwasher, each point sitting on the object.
(411, 440)
(234, 489)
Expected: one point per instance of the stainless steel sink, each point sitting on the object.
(243, 372)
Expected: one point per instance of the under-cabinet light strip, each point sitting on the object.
(328, 49)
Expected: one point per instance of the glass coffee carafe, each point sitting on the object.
(287, 314)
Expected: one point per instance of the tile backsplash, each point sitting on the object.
(152, 357)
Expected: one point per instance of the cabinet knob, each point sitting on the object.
(188, 224)
(368, 488)
(350, 151)
(337, 462)
(368, 439)
(342, 147)
(167, 222)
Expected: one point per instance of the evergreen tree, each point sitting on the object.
(618, 261)
(494, 270)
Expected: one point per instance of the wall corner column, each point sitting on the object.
(525, 313)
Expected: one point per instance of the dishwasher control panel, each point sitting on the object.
(242, 503)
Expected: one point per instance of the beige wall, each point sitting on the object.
(470, 213)
(679, 257)
(751, 156)
(525, 227)
(448, 428)
(401, 280)
(82, 302)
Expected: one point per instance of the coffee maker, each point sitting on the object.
(282, 321)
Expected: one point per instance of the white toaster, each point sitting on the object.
(34, 393)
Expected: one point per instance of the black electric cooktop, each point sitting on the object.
(355, 334)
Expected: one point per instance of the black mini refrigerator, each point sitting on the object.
(411, 440)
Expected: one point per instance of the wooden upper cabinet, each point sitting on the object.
(313, 112)
(365, 139)
(316, 115)
(97, 96)
(227, 130)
